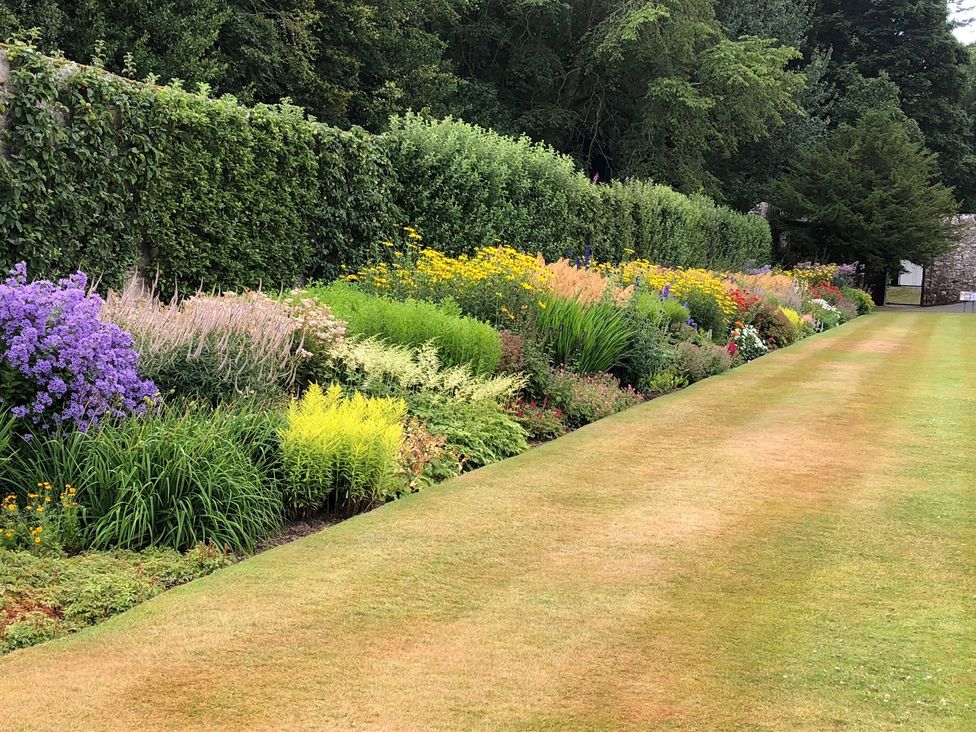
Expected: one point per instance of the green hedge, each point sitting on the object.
(461, 185)
(104, 174)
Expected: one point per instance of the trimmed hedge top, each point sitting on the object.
(106, 175)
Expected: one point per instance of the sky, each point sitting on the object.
(966, 35)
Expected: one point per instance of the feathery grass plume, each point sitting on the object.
(216, 347)
(341, 453)
(586, 284)
(780, 289)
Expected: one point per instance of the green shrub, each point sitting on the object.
(774, 325)
(707, 313)
(171, 479)
(47, 597)
(587, 338)
(103, 174)
(696, 362)
(466, 409)
(586, 399)
(859, 299)
(650, 353)
(459, 340)
(540, 421)
(481, 431)
(524, 357)
(340, 454)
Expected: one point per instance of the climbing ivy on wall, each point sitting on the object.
(103, 174)
(108, 175)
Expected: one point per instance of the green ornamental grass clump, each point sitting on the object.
(169, 479)
(459, 340)
(587, 338)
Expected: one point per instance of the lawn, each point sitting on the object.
(787, 546)
(904, 296)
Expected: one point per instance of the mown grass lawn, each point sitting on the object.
(904, 296)
(789, 546)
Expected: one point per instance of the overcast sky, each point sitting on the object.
(967, 35)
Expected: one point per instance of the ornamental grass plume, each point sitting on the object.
(217, 347)
(59, 364)
(587, 285)
(771, 286)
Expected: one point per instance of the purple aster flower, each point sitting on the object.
(77, 369)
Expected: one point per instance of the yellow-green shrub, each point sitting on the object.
(340, 452)
(795, 319)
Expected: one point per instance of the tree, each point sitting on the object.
(912, 42)
(870, 193)
(345, 61)
(650, 88)
(787, 21)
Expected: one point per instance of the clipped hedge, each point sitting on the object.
(462, 186)
(103, 174)
(107, 175)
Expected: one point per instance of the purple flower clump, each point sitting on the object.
(68, 367)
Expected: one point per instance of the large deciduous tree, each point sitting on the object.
(629, 87)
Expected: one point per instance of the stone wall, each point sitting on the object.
(953, 273)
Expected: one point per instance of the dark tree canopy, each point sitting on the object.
(869, 193)
(629, 88)
(912, 42)
(717, 96)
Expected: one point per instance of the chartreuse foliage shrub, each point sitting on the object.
(104, 174)
(458, 339)
(169, 479)
(341, 453)
(45, 597)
